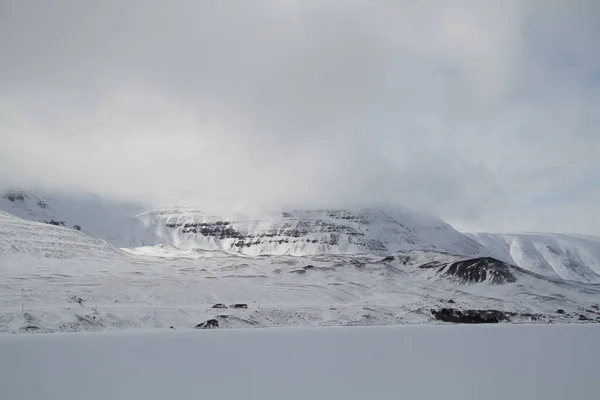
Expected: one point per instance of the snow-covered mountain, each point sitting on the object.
(299, 232)
(571, 257)
(54, 278)
(308, 232)
(380, 231)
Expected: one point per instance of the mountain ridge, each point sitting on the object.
(382, 231)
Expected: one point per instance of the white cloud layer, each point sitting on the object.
(482, 112)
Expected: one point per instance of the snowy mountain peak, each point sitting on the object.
(309, 232)
(298, 232)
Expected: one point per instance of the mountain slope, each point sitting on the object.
(300, 232)
(309, 232)
(571, 257)
(21, 238)
(113, 221)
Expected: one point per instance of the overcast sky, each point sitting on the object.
(485, 113)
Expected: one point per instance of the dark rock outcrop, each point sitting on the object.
(480, 269)
(219, 305)
(469, 316)
(560, 311)
(54, 222)
(210, 324)
(298, 271)
(432, 264)
(15, 196)
(239, 305)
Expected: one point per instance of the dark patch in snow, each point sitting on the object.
(470, 316)
(480, 269)
(239, 305)
(75, 299)
(15, 196)
(56, 223)
(432, 264)
(298, 271)
(210, 324)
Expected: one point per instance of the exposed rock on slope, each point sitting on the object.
(484, 269)
(306, 232)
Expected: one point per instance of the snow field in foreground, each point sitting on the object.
(412, 362)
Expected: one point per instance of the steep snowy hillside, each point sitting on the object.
(112, 221)
(21, 238)
(304, 232)
(572, 257)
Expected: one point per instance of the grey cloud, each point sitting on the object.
(465, 109)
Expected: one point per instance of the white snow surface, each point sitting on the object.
(425, 362)
(566, 256)
(57, 279)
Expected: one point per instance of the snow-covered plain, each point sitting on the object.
(56, 279)
(419, 362)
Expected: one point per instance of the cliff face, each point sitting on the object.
(305, 232)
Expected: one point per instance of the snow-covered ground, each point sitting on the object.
(58, 279)
(419, 362)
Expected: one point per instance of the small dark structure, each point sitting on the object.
(239, 305)
(219, 305)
